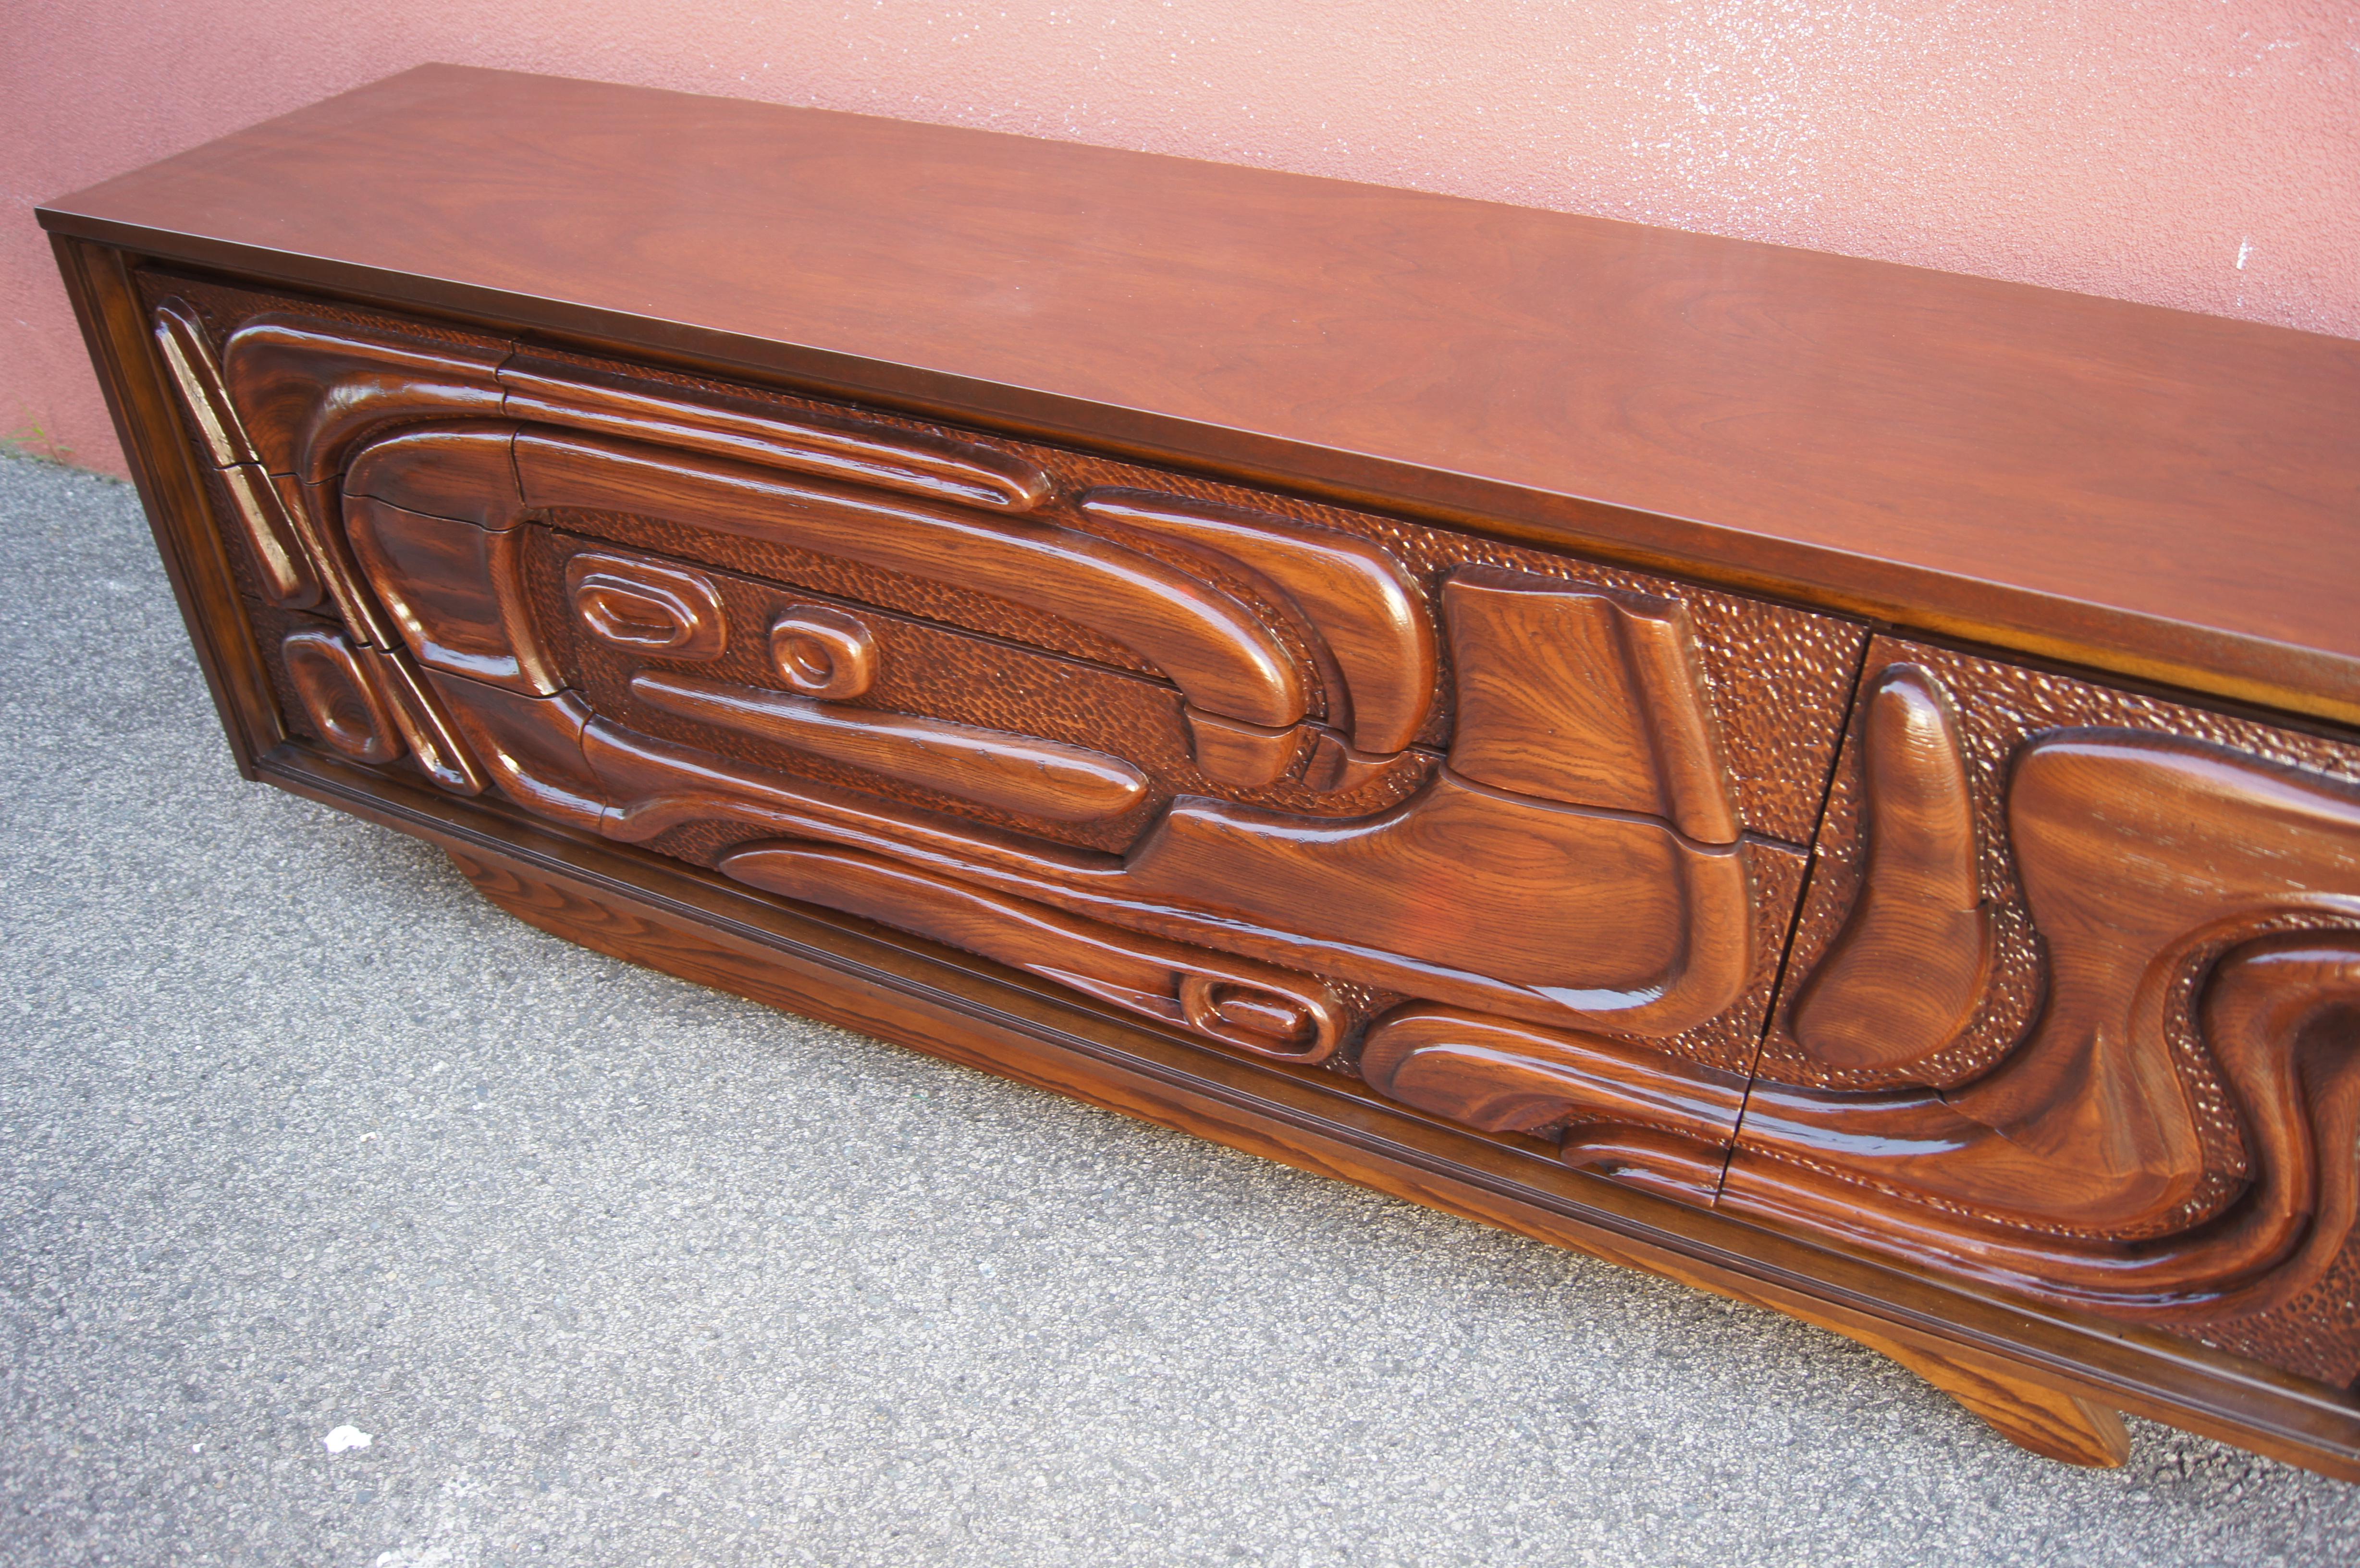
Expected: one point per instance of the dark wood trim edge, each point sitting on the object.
(180, 513)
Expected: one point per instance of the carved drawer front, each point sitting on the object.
(1514, 837)
(2074, 1006)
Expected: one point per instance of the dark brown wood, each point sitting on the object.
(1256, 1007)
(2048, 1421)
(1592, 699)
(1875, 438)
(1361, 614)
(2007, 1363)
(823, 652)
(2151, 1107)
(1469, 867)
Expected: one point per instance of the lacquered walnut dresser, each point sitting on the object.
(1828, 781)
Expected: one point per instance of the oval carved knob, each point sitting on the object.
(824, 653)
(647, 608)
(344, 704)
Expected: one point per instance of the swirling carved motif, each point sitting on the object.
(1910, 964)
(302, 558)
(456, 590)
(1624, 1111)
(2144, 857)
(1367, 623)
(824, 653)
(1545, 883)
(1232, 666)
(310, 390)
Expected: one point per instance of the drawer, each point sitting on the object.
(1468, 822)
(2073, 1006)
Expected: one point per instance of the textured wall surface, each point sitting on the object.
(2200, 154)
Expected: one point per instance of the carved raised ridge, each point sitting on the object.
(1910, 965)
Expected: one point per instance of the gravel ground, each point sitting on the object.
(296, 1135)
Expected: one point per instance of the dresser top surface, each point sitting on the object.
(1812, 420)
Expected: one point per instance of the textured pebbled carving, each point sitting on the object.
(1211, 645)
(2071, 1170)
(1584, 867)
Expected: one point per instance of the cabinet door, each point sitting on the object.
(2074, 1006)
(1514, 837)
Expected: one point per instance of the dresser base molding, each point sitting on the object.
(2049, 1380)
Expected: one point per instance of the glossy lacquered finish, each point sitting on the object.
(2000, 1017)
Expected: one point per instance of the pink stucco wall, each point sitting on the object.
(2202, 154)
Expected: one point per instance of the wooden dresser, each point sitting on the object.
(1833, 783)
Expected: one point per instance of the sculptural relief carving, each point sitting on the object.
(646, 609)
(1559, 889)
(2171, 1136)
(821, 652)
(1528, 893)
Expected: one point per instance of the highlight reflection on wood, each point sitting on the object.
(646, 609)
(821, 652)
(1211, 645)
(260, 511)
(342, 702)
(1258, 1008)
(1365, 619)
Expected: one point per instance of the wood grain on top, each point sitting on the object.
(2171, 494)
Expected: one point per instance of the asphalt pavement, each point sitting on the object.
(345, 1221)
